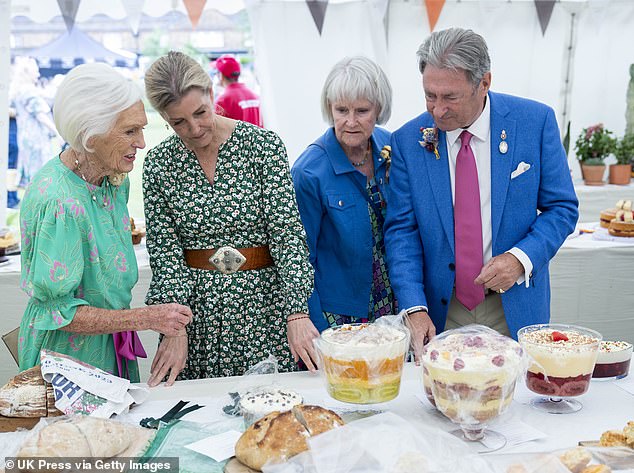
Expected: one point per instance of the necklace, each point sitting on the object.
(366, 155)
(91, 187)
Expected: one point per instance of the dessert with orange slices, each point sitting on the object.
(363, 363)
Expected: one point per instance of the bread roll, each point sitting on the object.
(79, 436)
(28, 395)
(278, 436)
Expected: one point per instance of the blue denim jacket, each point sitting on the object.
(335, 214)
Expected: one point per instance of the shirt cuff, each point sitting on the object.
(526, 262)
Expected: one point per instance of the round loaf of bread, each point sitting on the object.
(281, 435)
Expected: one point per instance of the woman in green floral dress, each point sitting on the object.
(220, 183)
(78, 265)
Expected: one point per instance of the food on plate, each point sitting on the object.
(363, 363)
(563, 358)
(623, 224)
(618, 438)
(472, 373)
(80, 436)
(409, 462)
(597, 469)
(256, 404)
(613, 360)
(576, 459)
(8, 241)
(607, 215)
(28, 395)
(281, 435)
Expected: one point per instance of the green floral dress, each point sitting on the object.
(239, 319)
(76, 250)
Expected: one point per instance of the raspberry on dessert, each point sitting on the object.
(557, 336)
(498, 360)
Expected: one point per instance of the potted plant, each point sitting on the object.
(593, 145)
(620, 173)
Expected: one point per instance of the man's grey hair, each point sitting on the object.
(456, 48)
(357, 78)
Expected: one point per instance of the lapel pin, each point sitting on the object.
(504, 147)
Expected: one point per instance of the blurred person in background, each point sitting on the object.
(12, 172)
(37, 136)
(341, 183)
(78, 264)
(223, 233)
(237, 101)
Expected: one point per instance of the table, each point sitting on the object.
(592, 285)
(594, 199)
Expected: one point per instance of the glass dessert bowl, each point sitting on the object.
(562, 361)
(363, 363)
(613, 360)
(469, 374)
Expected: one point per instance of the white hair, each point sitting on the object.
(357, 78)
(88, 101)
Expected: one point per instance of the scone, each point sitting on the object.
(613, 438)
(576, 459)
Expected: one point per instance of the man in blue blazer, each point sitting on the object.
(522, 188)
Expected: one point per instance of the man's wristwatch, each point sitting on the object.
(416, 308)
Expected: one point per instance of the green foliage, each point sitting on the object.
(624, 151)
(594, 144)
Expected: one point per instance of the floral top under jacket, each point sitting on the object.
(76, 251)
(239, 318)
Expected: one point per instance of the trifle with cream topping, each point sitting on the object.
(363, 363)
(613, 361)
(562, 361)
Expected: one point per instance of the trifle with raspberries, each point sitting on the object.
(613, 361)
(469, 374)
(562, 361)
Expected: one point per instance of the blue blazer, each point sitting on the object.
(337, 222)
(534, 212)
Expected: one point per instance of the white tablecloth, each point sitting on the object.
(594, 199)
(592, 285)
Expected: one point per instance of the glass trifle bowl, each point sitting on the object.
(469, 374)
(562, 360)
(363, 363)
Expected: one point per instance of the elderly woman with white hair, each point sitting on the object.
(78, 264)
(341, 181)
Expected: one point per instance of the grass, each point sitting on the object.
(154, 132)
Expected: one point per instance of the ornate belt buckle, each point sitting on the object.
(228, 260)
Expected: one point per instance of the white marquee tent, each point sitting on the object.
(580, 65)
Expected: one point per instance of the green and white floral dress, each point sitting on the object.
(239, 319)
(76, 250)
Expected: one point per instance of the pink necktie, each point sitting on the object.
(468, 226)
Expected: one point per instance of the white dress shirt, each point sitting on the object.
(481, 147)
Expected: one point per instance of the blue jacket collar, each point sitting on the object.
(338, 159)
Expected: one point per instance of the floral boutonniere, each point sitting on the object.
(430, 140)
(386, 154)
(117, 179)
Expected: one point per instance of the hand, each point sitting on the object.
(500, 272)
(170, 358)
(301, 333)
(169, 319)
(422, 330)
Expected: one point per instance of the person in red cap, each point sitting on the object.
(237, 101)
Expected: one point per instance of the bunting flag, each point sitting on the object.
(544, 12)
(318, 11)
(133, 10)
(434, 7)
(194, 10)
(68, 8)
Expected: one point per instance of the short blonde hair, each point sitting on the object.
(355, 78)
(171, 77)
(88, 102)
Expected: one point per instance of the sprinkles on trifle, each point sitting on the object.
(610, 346)
(556, 338)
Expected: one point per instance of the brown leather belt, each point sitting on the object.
(228, 260)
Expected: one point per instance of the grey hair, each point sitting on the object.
(456, 48)
(171, 77)
(355, 78)
(88, 102)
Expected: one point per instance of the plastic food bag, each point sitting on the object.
(470, 373)
(363, 363)
(383, 443)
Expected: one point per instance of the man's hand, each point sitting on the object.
(301, 332)
(422, 330)
(500, 273)
(170, 359)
